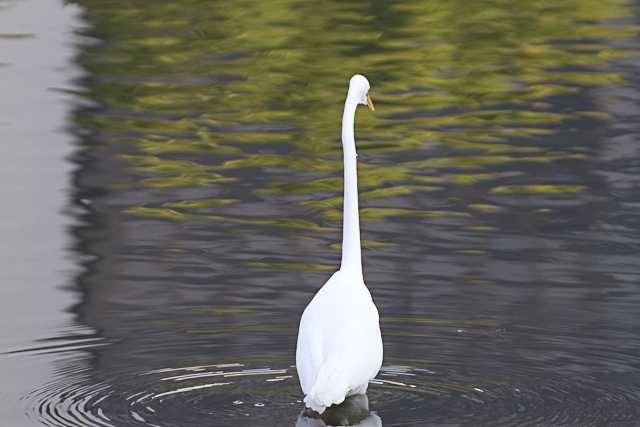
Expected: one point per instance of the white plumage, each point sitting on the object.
(339, 343)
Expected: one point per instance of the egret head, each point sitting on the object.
(359, 88)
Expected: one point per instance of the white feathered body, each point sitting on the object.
(339, 343)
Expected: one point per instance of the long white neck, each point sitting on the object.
(351, 257)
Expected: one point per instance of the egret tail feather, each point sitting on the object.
(329, 389)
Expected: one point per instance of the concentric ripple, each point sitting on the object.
(181, 396)
(234, 393)
(422, 396)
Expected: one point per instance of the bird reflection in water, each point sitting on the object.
(354, 411)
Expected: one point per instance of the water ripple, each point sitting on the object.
(187, 396)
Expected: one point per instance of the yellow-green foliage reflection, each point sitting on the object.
(208, 95)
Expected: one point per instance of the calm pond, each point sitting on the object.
(171, 180)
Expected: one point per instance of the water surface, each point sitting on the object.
(499, 210)
(36, 71)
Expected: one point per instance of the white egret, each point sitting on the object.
(339, 343)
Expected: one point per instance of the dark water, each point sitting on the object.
(499, 180)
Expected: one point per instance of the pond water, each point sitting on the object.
(180, 204)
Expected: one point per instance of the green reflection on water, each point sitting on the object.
(246, 97)
(164, 213)
(201, 203)
(548, 189)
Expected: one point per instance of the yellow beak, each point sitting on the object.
(370, 103)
